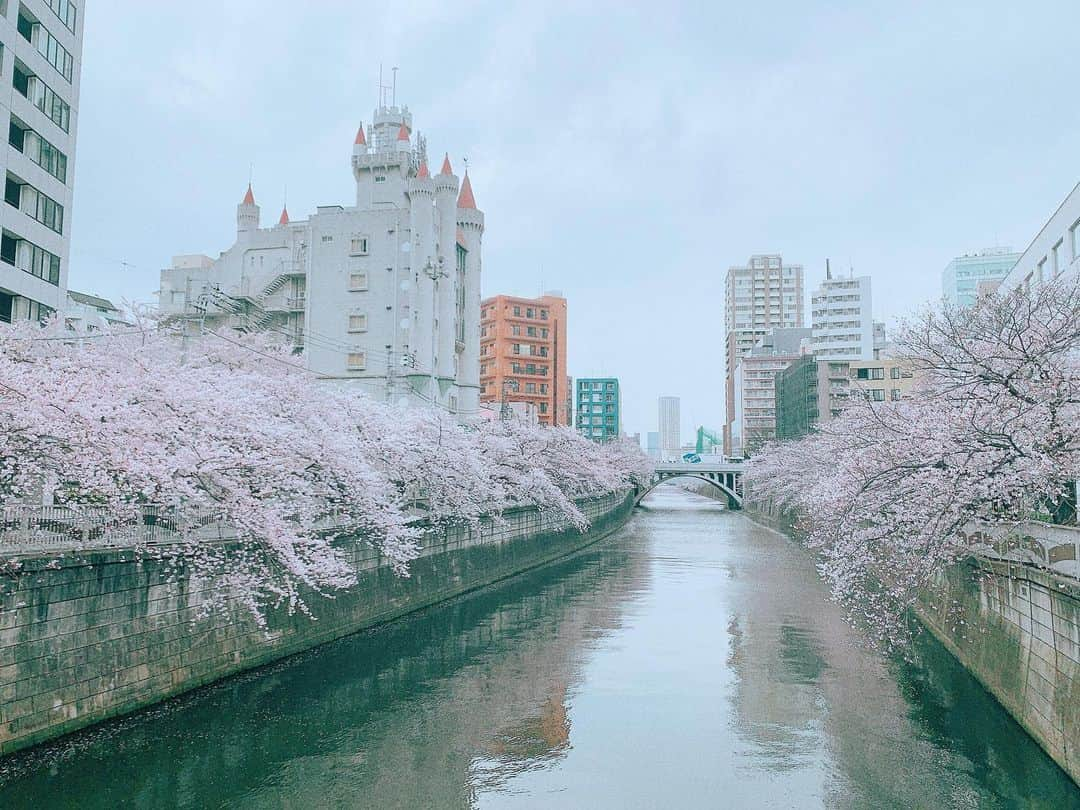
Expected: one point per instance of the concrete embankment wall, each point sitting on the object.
(1016, 629)
(91, 636)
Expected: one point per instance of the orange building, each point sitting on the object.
(523, 354)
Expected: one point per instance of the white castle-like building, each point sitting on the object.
(384, 294)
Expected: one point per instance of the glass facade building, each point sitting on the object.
(961, 278)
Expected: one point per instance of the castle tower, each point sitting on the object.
(446, 190)
(425, 265)
(384, 159)
(247, 215)
(471, 222)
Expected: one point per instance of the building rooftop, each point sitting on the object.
(91, 300)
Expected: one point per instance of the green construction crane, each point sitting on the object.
(708, 440)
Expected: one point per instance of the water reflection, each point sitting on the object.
(691, 661)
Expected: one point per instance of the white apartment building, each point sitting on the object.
(842, 323)
(670, 427)
(754, 415)
(761, 295)
(383, 294)
(40, 62)
(86, 313)
(1054, 251)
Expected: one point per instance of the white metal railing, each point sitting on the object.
(1044, 545)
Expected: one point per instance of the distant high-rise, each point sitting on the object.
(763, 294)
(670, 442)
(652, 444)
(41, 56)
(599, 413)
(962, 277)
(841, 318)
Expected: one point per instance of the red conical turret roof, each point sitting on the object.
(423, 174)
(403, 133)
(465, 198)
(249, 198)
(284, 218)
(360, 139)
(446, 165)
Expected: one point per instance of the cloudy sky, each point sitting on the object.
(624, 153)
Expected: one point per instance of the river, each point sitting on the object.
(691, 660)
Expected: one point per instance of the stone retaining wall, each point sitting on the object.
(95, 635)
(1017, 630)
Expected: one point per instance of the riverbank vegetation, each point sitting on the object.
(237, 429)
(990, 434)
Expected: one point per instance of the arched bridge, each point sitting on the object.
(726, 477)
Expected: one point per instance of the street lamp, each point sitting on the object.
(504, 411)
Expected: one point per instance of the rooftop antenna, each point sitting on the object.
(828, 271)
(394, 101)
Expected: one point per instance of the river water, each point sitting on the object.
(692, 660)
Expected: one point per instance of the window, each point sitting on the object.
(543, 351)
(894, 372)
(515, 330)
(895, 394)
(530, 388)
(357, 361)
(517, 311)
(40, 263)
(358, 246)
(12, 192)
(1074, 239)
(543, 388)
(1040, 271)
(1056, 253)
(358, 322)
(529, 313)
(47, 45)
(531, 331)
(327, 238)
(543, 314)
(380, 178)
(65, 10)
(543, 407)
(544, 333)
(876, 394)
(358, 282)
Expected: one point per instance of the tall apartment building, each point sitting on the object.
(523, 354)
(841, 319)
(383, 294)
(670, 425)
(963, 276)
(754, 421)
(599, 408)
(41, 58)
(1054, 251)
(761, 295)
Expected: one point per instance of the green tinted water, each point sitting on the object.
(691, 660)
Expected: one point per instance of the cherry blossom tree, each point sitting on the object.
(990, 434)
(236, 430)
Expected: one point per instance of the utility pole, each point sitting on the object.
(504, 409)
(434, 273)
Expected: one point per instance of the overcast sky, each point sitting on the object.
(625, 153)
